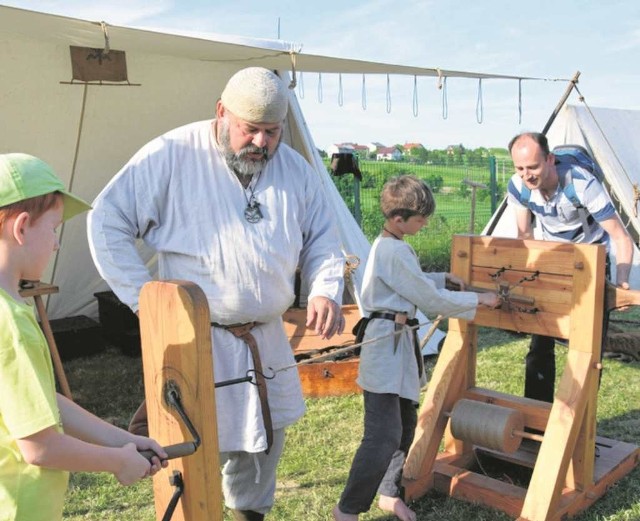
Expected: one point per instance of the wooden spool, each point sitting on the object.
(489, 426)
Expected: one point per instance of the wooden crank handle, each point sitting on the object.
(179, 450)
(618, 297)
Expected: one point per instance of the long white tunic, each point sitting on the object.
(178, 195)
(395, 283)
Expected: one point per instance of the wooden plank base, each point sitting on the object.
(452, 476)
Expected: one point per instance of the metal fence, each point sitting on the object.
(467, 193)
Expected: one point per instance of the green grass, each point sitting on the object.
(321, 445)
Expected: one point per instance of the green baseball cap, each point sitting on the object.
(23, 176)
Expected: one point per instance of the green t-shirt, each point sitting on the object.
(27, 406)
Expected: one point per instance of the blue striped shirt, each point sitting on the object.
(558, 218)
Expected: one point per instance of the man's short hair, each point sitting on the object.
(406, 196)
(537, 137)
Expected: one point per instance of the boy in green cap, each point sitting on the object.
(43, 435)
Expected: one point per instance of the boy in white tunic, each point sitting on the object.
(391, 371)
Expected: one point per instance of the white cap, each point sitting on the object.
(256, 95)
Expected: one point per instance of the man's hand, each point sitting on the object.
(326, 315)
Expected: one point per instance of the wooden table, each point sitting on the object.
(36, 290)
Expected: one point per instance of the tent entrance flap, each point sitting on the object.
(89, 64)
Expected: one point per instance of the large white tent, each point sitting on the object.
(611, 135)
(87, 131)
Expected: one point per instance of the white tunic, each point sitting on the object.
(395, 283)
(178, 195)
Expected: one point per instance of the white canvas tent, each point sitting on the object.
(611, 135)
(87, 131)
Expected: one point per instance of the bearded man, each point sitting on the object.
(227, 205)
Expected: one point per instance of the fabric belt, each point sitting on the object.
(243, 332)
(401, 320)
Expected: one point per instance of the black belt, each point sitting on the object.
(392, 316)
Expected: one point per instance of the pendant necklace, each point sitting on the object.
(391, 233)
(252, 212)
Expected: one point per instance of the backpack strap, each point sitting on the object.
(569, 190)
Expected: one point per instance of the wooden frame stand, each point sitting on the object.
(572, 467)
(176, 353)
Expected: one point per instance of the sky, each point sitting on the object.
(552, 40)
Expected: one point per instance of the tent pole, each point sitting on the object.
(554, 114)
(562, 101)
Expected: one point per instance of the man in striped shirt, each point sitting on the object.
(560, 220)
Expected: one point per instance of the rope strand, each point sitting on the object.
(352, 347)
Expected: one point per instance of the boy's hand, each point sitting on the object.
(160, 459)
(491, 300)
(133, 467)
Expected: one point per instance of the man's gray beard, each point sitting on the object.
(237, 162)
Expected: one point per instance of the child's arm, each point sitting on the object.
(81, 424)
(90, 445)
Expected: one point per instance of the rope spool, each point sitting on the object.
(487, 425)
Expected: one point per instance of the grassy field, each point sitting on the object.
(320, 447)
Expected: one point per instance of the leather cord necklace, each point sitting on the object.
(252, 212)
(391, 233)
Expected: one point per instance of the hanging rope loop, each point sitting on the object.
(364, 94)
(415, 96)
(479, 103)
(445, 101)
(319, 87)
(520, 101)
(388, 95)
(293, 82)
(105, 32)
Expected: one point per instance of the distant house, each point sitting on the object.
(408, 147)
(453, 149)
(388, 154)
(374, 147)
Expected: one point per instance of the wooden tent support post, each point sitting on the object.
(36, 290)
(567, 477)
(561, 103)
(175, 334)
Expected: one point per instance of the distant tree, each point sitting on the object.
(420, 154)
(322, 153)
(435, 182)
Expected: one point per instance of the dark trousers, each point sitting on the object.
(540, 363)
(389, 427)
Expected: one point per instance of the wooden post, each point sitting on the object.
(176, 352)
(474, 186)
(36, 290)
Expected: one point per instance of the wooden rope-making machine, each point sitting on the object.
(547, 288)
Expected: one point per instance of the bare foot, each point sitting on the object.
(396, 506)
(339, 515)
